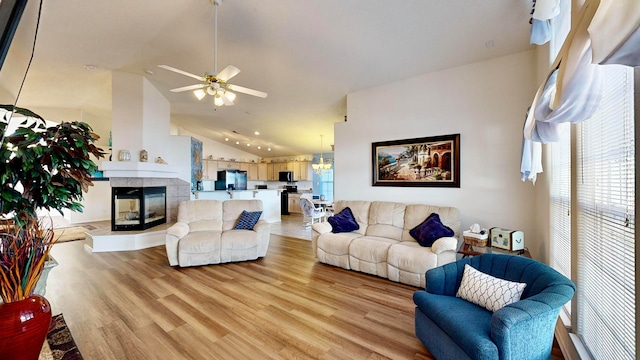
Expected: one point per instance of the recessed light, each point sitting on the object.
(89, 67)
(268, 149)
(259, 147)
(257, 132)
(248, 144)
(226, 139)
(237, 142)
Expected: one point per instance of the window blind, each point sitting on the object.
(606, 222)
(560, 208)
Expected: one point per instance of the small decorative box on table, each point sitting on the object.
(472, 239)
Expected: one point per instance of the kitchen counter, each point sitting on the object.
(270, 199)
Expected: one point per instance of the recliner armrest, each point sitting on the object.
(178, 230)
(321, 227)
(444, 244)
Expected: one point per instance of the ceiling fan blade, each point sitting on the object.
(227, 73)
(247, 91)
(190, 87)
(181, 72)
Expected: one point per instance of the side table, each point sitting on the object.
(468, 250)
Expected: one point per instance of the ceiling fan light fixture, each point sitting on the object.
(200, 94)
(230, 96)
(217, 100)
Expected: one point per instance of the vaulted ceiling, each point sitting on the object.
(306, 54)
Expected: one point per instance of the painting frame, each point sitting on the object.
(432, 161)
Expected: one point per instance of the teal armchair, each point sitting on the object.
(453, 328)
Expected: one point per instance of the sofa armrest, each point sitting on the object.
(179, 230)
(321, 227)
(444, 244)
(524, 329)
(176, 232)
(261, 226)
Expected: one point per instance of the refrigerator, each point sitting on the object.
(231, 180)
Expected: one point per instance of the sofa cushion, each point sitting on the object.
(415, 214)
(430, 230)
(360, 210)
(487, 291)
(200, 242)
(369, 254)
(333, 249)
(407, 262)
(344, 221)
(247, 220)
(231, 210)
(386, 219)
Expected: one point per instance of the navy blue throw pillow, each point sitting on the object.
(344, 221)
(430, 230)
(247, 220)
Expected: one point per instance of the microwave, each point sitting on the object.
(285, 176)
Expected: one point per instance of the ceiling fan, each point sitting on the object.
(215, 83)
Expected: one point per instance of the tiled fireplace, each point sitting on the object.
(175, 191)
(138, 208)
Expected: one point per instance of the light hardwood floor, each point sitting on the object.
(133, 305)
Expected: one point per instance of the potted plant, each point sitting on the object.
(40, 167)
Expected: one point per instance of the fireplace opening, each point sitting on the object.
(138, 208)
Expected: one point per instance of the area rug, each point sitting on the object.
(70, 233)
(61, 343)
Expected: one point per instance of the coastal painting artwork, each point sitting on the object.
(429, 161)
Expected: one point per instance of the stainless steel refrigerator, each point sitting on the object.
(231, 180)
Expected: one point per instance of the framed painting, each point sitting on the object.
(429, 161)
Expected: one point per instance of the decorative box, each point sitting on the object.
(512, 240)
(475, 239)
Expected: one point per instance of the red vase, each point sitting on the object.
(23, 328)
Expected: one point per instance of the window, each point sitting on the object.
(605, 216)
(560, 209)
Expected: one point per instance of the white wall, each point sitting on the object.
(486, 103)
(218, 150)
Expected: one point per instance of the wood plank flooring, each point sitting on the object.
(133, 305)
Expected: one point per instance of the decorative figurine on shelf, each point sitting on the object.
(124, 155)
(159, 160)
(144, 156)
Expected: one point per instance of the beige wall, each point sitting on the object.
(486, 103)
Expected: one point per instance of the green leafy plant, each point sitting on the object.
(44, 167)
(40, 167)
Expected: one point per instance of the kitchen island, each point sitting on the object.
(270, 199)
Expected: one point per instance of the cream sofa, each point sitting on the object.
(382, 246)
(204, 233)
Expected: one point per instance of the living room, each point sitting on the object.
(485, 101)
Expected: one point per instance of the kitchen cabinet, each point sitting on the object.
(295, 167)
(306, 173)
(262, 171)
(271, 174)
(294, 203)
(210, 170)
(252, 172)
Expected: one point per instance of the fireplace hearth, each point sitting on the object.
(138, 208)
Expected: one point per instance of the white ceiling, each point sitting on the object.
(307, 54)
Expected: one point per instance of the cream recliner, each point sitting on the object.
(204, 233)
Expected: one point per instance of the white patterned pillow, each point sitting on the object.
(487, 291)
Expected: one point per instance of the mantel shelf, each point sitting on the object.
(137, 169)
